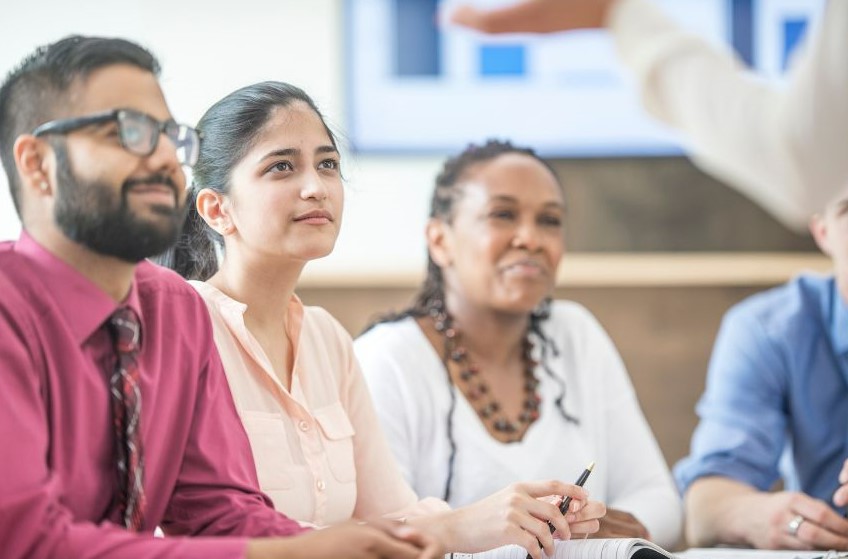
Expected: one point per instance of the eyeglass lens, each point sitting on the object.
(140, 135)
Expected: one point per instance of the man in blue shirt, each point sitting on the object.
(776, 407)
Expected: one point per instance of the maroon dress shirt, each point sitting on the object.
(57, 468)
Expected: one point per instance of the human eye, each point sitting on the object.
(550, 220)
(280, 167)
(109, 130)
(502, 214)
(329, 164)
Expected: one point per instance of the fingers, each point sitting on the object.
(531, 514)
(809, 523)
(808, 536)
(392, 539)
(536, 533)
(588, 521)
(594, 510)
(819, 513)
(428, 546)
(386, 545)
(535, 16)
(538, 489)
(525, 16)
(467, 16)
(548, 512)
(528, 509)
(798, 521)
(840, 497)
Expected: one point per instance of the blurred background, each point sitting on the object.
(657, 250)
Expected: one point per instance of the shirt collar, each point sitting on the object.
(839, 321)
(232, 313)
(83, 305)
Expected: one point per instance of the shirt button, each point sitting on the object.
(303, 426)
(320, 485)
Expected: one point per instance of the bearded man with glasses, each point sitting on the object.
(115, 416)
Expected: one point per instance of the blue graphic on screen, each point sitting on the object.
(793, 31)
(502, 60)
(415, 86)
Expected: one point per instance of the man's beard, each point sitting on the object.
(91, 214)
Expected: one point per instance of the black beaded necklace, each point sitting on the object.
(475, 388)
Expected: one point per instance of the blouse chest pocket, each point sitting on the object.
(268, 441)
(338, 440)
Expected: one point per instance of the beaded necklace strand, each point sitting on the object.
(475, 388)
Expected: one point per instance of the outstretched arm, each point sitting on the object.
(781, 147)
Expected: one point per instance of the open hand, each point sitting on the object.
(534, 16)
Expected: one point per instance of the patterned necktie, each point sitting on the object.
(125, 389)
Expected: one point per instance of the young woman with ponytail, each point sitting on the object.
(267, 199)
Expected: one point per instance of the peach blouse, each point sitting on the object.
(319, 450)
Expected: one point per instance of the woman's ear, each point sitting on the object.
(818, 228)
(438, 242)
(211, 206)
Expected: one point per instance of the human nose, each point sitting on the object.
(313, 187)
(526, 236)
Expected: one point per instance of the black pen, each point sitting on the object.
(563, 506)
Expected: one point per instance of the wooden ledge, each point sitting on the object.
(646, 269)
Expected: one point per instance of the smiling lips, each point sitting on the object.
(529, 268)
(315, 217)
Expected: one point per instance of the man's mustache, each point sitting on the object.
(152, 179)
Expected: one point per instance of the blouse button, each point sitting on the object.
(304, 426)
(320, 485)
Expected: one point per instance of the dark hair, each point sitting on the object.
(431, 295)
(35, 91)
(229, 129)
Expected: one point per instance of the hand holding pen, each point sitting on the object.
(515, 515)
(566, 502)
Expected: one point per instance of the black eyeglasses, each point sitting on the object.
(139, 133)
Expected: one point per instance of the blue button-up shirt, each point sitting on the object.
(776, 402)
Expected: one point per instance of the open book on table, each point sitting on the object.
(618, 548)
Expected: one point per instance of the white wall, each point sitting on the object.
(209, 48)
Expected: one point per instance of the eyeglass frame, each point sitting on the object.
(67, 125)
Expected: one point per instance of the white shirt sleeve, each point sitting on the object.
(782, 147)
(639, 481)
